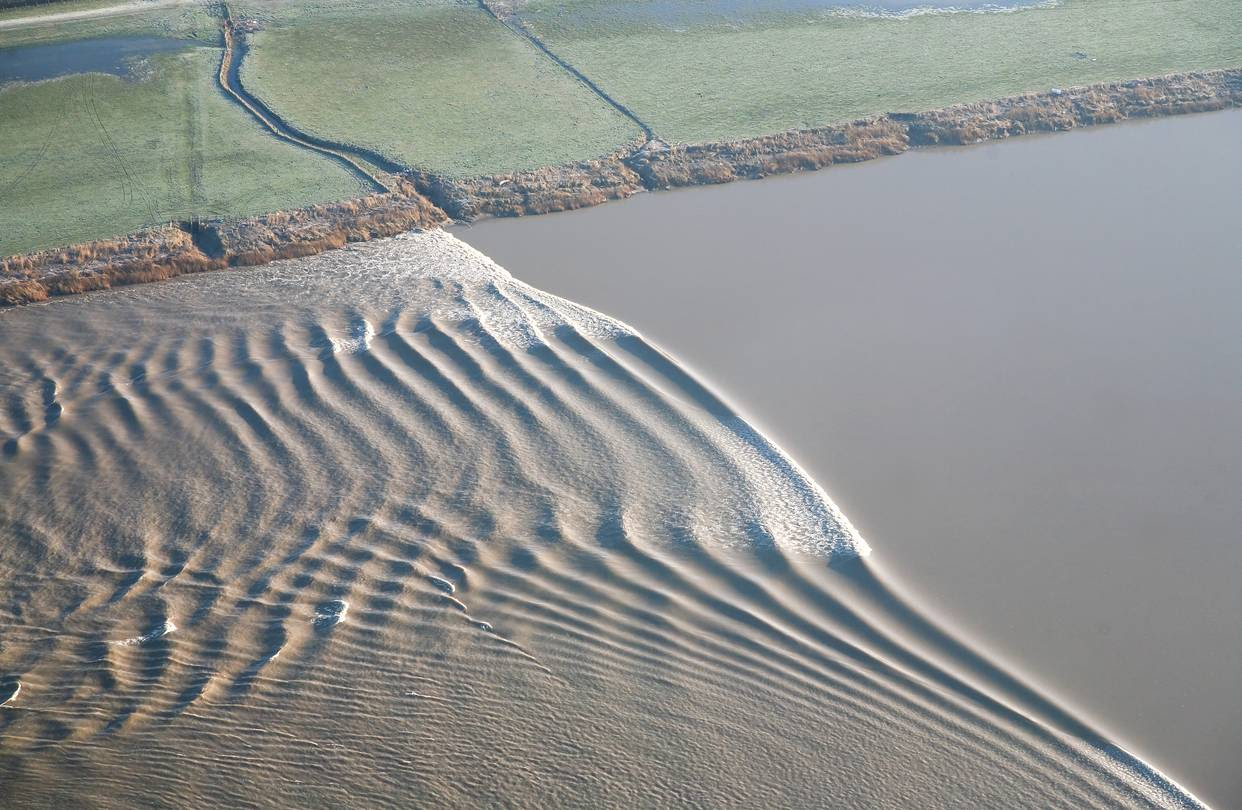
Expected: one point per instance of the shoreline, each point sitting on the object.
(1008, 365)
(424, 200)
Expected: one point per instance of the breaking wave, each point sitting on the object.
(433, 536)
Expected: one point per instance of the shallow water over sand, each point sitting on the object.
(387, 528)
(1015, 366)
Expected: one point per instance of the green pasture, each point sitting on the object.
(191, 22)
(695, 73)
(438, 86)
(9, 11)
(93, 156)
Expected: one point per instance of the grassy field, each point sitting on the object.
(697, 75)
(10, 11)
(178, 21)
(438, 86)
(92, 156)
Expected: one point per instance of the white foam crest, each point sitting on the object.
(794, 509)
(358, 342)
(670, 454)
(159, 632)
(444, 258)
(328, 615)
(504, 320)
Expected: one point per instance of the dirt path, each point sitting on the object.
(91, 13)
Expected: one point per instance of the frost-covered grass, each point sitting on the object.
(188, 21)
(93, 156)
(8, 12)
(697, 73)
(438, 86)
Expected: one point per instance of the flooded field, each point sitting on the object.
(115, 55)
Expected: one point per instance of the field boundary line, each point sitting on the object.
(510, 21)
(229, 81)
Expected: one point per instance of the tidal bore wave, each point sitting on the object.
(386, 527)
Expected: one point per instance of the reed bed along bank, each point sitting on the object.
(425, 200)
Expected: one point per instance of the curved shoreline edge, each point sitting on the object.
(423, 200)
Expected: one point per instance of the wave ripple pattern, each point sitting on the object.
(388, 528)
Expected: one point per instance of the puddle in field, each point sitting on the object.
(115, 55)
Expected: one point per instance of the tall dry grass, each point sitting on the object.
(167, 252)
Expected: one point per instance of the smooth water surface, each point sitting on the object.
(1017, 369)
(116, 55)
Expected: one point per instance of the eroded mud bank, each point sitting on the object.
(656, 165)
(427, 200)
(192, 247)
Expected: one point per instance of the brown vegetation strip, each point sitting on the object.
(654, 165)
(166, 252)
(539, 191)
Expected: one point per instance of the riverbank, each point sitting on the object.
(176, 249)
(425, 199)
(655, 165)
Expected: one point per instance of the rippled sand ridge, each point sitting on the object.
(386, 527)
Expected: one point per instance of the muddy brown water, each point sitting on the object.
(1015, 366)
(386, 527)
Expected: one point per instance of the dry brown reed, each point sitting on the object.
(161, 253)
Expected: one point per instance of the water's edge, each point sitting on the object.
(496, 438)
(423, 200)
